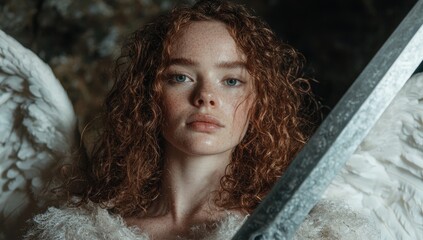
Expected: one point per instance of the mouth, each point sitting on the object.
(204, 122)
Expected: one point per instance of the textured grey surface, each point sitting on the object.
(293, 196)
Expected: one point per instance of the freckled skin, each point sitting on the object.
(207, 77)
(206, 92)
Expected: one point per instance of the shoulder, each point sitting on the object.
(334, 220)
(85, 222)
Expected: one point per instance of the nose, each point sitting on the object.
(205, 96)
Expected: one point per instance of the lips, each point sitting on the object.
(204, 122)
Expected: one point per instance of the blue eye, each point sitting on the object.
(232, 82)
(180, 78)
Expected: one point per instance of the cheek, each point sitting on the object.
(171, 100)
(170, 108)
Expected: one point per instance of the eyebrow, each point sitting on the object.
(182, 61)
(190, 62)
(232, 64)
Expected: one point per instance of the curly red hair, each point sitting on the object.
(126, 165)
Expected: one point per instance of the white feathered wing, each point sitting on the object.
(37, 133)
(384, 177)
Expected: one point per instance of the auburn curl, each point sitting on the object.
(125, 169)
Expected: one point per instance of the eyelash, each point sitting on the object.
(173, 79)
(238, 82)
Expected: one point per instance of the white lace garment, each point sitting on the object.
(327, 220)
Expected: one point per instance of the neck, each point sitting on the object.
(190, 183)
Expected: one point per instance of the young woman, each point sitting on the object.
(205, 115)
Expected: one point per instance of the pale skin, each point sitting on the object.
(207, 93)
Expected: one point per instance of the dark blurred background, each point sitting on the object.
(80, 39)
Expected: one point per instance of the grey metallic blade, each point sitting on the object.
(300, 188)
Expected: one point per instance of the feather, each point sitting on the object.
(384, 177)
(37, 133)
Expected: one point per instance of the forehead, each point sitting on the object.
(209, 39)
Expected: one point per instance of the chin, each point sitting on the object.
(200, 144)
(198, 148)
(205, 150)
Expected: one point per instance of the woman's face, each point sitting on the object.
(207, 91)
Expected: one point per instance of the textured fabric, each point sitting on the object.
(89, 222)
(331, 221)
(94, 223)
(326, 221)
